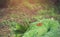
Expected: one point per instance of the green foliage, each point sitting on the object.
(16, 28)
(49, 28)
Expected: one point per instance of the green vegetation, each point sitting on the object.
(24, 23)
(49, 28)
(46, 27)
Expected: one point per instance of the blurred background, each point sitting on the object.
(30, 10)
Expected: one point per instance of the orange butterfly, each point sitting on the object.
(39, 24)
